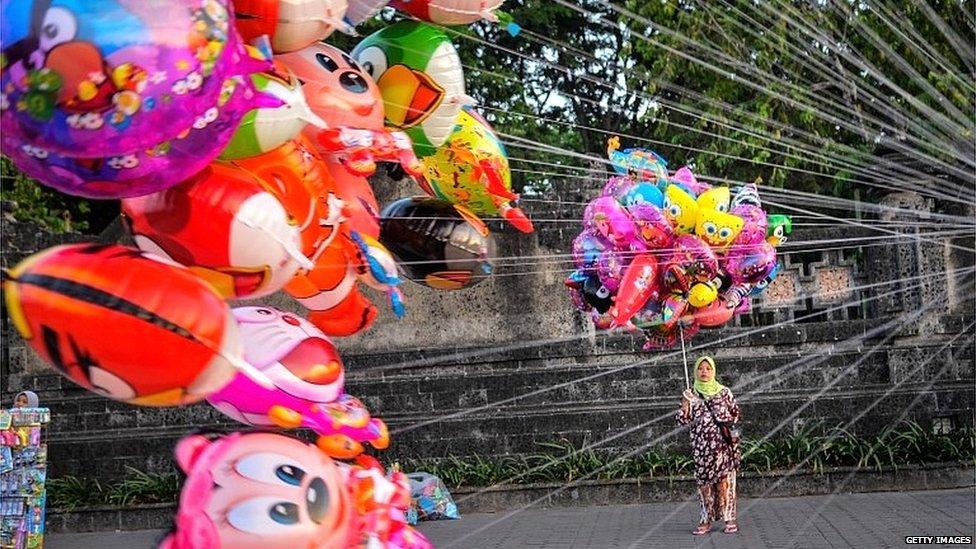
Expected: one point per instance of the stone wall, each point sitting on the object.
(509, 364)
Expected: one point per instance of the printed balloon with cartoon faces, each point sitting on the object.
(471, 170)
(336, 87)
(260, 490)
(125, 324)
(114, 77)
(140, 172)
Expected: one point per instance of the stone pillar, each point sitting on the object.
(915, 263)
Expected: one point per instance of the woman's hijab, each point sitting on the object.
(32, 400)
(709, 388)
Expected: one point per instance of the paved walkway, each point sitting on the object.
(866, 521)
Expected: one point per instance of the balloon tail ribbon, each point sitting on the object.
(396, 303)
(516, 217)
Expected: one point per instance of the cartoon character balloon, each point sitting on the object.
(419, 74)
(471, 170)
(449, 12)
(438, 244)
(291, 24)
(260, 490)
(641, 165)
(301, 181)
(104, 79)
(680, 209)
(779, 227)
(225, 226)
(336, 87)
(308, 379)
(127, 325)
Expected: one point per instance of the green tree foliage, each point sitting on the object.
(798, 93)
(50, 209)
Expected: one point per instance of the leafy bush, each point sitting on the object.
(69, 492)
(50, 209)
(810, 448)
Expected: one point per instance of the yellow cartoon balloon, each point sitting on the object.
(716, 198)
(716, 228)
(681, 209)
(702, 295)
(471, 169)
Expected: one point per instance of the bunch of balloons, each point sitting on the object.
(668, 254)
(240, 148)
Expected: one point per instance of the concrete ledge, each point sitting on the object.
(936, 476)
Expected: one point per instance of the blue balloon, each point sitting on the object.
(643, 192)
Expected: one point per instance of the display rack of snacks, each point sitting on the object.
(23, 469)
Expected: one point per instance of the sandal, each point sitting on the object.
(731, 528)
(702, 530)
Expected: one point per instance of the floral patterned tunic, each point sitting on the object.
(713, 456)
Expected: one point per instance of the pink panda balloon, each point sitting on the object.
(587, 247)
(261, 490)
(308, 379)
(746, 205)
(750, 264)
(653, 228)
(610, 268)
(686, 178)
(606, 217)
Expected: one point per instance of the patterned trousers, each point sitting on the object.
(718, 500)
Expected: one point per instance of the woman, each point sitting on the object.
(26, 399)
(716, 454)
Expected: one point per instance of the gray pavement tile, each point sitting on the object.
(872, 521)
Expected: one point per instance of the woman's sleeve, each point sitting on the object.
(682, 416)
(733, 408)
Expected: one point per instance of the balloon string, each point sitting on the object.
(684, 355)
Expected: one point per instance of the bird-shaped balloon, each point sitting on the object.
(419, 74)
